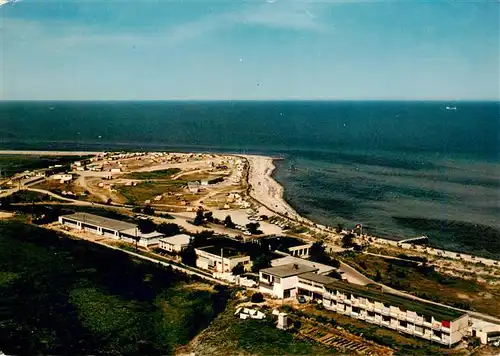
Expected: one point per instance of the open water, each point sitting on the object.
(402, 169)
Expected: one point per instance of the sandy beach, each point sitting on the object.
(265, 189)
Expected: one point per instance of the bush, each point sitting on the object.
(238, 269)
(257, 298)
(148, 210)
(169, 229)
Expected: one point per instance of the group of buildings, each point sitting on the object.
(428, 321)
(291, 276)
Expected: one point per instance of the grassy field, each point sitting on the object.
(26, 196)
(161, 174)
(12, 164)
(69, 297)
(424, 282)
(148, 190)
(229, 335)
(55, 186)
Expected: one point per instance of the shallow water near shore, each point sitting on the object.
(402, 169)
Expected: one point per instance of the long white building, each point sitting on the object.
(115, 229)
(428, 321)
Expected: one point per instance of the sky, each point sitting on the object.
(249, 50)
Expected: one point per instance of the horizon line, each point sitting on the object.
(247, 100)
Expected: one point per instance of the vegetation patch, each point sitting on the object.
(27, 196)
(70, 297)
(141, 192)
(161, 174)
(12, 164)
(423, 281)
(7, 277)
(229, 335)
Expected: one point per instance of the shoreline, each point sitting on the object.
(264, 189)
(270, 192)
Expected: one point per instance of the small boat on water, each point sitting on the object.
(451, 108)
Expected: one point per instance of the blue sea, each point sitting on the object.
(402, 169)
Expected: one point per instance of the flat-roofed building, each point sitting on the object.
(193, 187)
(312, 285)
(175, 243)
(321, 268)
(111, 228)
(218, 259)
(425, 320)
(428, 321)
(62, 177)
(281, 281)
(300, 251)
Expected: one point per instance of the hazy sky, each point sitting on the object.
(230, 49)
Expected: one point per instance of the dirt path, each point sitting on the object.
(83, 183)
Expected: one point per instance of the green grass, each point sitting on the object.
(27, 196)
(148, 190)
(161, 174)
(229, 335)
(7, 277)
(425, 282)
(12, 164)
(64, 296)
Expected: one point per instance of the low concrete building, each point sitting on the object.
(175, 243)
(115, 229)
(193, 187)
(281, 281)
(486, 331)
(428, 321)
(300, 251)
(312, 285)
(62, 177)
(217, 259)
(322, 269)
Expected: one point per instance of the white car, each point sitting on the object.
(248, 233)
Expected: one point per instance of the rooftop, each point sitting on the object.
(438, 312)
(228, 252)
(318, 278)
(150, 235)
(181, 239)
(288, 270)
(322, 269)
(100, 221)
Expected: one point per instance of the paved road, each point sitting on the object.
(353, 276)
